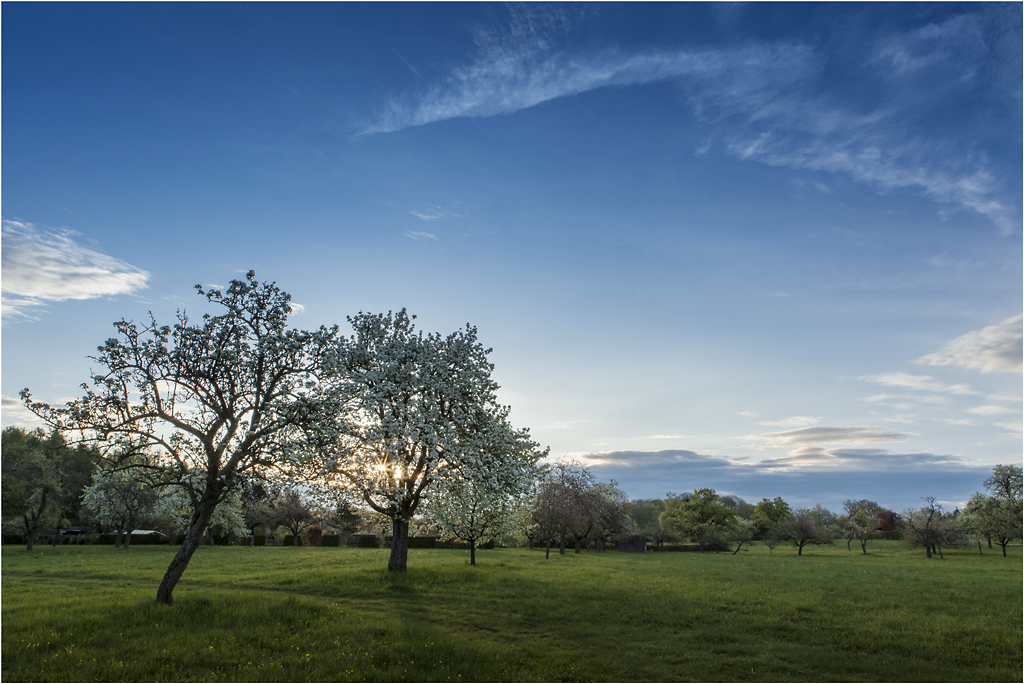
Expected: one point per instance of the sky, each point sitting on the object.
(771, 249)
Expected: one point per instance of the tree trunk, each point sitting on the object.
(1003, 544)
(577, 545)
(252, 540)
(864, 546)
(547, 553)
(472, 552)
(295, 539)
(561, 545)
(128, 538)
(193, 537)
(927, 551)
(117, 538)
(399, 546)
(799, 549)
(31, 541)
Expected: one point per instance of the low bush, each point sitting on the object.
(330, 540)
(314, 536)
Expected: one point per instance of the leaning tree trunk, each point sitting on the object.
(193, 537)
(399, 560)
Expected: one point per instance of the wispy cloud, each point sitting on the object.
(770, 102)
(15, 413)
(420, 235)
(50, 266)
(434, 213)
(918, 382)
(991, 410)
(853, 434)
(795, 421)
(996, 348)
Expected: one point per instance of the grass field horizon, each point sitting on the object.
(312, 614)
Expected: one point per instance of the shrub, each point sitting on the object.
(330, 540)
(314, 536)
(13, 539)
(261, 540)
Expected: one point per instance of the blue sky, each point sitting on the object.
(770, 249)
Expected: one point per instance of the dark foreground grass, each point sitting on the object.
(284, 614)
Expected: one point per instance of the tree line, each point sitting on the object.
(230, 419)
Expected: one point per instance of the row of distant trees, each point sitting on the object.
(704, 518)
(48, 484)
(198, 416)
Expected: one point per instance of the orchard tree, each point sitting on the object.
(993, 517)
(769, 514)
(33, 481)
(294, 513)
(123, 497)
(213, 400)
(612, 518)
(741, 532)
(805, 528)
(931, 527)
(474, 513)
(701, 517)
(560, 504)
(415, 411)
(860, 522)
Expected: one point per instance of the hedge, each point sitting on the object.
(422, 542)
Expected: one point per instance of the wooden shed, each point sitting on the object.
(633, 542)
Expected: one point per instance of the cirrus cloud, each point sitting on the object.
(50, 266)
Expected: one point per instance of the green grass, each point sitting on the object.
(270, 614)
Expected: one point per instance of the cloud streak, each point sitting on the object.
(770, 101)
(917, 382)
(853, 434)
(40, 267)
(996, 348)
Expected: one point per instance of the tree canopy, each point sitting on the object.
(211, 400)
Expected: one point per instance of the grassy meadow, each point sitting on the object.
(286, 614)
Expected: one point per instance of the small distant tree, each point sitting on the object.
(123, 497)
(769, 513)
(294, 513)
(741, 532)
(701, 518)
(257, 504)
(931, 527)
(804, 528)
(993, 518)
(470, 511)
(557, 510)
(859, 522)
